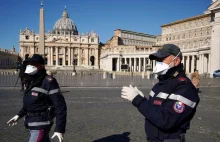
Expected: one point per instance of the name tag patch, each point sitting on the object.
(34, 94)
(179, 107)
(157, 102)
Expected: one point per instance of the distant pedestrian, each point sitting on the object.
(195, 79)
(23, 75)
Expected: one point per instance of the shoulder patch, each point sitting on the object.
(49, 78)
(179, 107)
(182, 80)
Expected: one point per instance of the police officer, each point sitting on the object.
(171, 103)
(41, 103)
(23, 75)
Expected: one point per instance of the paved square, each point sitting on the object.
(100, 115)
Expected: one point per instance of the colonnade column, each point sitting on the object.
(187, 64)
(144, 64)
(51, 56)
(209, 63)
(79, 57)
(69, 59)
(48, 56)
(139, 66)
(57, 56)
(64, 56)
(135, 64)
(193, 64)
(202, 63)
(118, 60)
(197, 62)
(130, 65)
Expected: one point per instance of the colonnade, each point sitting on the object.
(200, 62)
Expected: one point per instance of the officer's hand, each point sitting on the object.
(59, 135)
(129, 93)
(13, 121)
(139, 92)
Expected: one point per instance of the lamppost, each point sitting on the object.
(74, 64)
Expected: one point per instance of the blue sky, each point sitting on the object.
(102, 16)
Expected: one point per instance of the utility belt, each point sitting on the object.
(44, 113)
(48, 112)
(181, 139)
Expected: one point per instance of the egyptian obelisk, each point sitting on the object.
(42, 32)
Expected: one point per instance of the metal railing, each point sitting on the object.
(93, 79)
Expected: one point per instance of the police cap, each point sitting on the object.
(36, 58)
(165, 51)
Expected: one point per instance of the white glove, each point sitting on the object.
(129, 93)
(139, 92)
(59, 135)
(13, 121)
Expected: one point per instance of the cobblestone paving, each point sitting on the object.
(100, 115)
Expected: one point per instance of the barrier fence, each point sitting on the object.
(99, 80)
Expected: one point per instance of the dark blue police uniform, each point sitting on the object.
(43, 101)
(170, 107)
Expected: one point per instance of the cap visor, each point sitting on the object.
(158, 55)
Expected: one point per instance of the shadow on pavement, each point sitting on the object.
(115, 138)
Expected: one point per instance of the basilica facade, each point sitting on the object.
(63, 46)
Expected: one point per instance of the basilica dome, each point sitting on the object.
(65, 26)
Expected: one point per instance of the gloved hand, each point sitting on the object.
(59, 135)
(139, 92)
(129, 93)
(13, 121)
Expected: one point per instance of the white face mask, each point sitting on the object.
(31, 70)
(161, 68)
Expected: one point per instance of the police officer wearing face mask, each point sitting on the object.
(171, 103)
(42, 102)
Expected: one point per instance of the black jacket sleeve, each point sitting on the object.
(22, 112)
(59, 104)
(165, 117)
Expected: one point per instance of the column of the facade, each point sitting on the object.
(51, 57)
(79, 57)
(139, 66)
(153, 64)
(205, 70)
(130, 65)
(57, 56)
(187, 63)
(209, 64)
(69, 57)
(110, 64)
(144, 64)
(118, 60)
(64, 56)
(135, 64)
(184, 64)
(193, 64)
(125, 60)
(197, 62)
(202, 63)
(97, 57)
(48, 56)
(86, 57)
